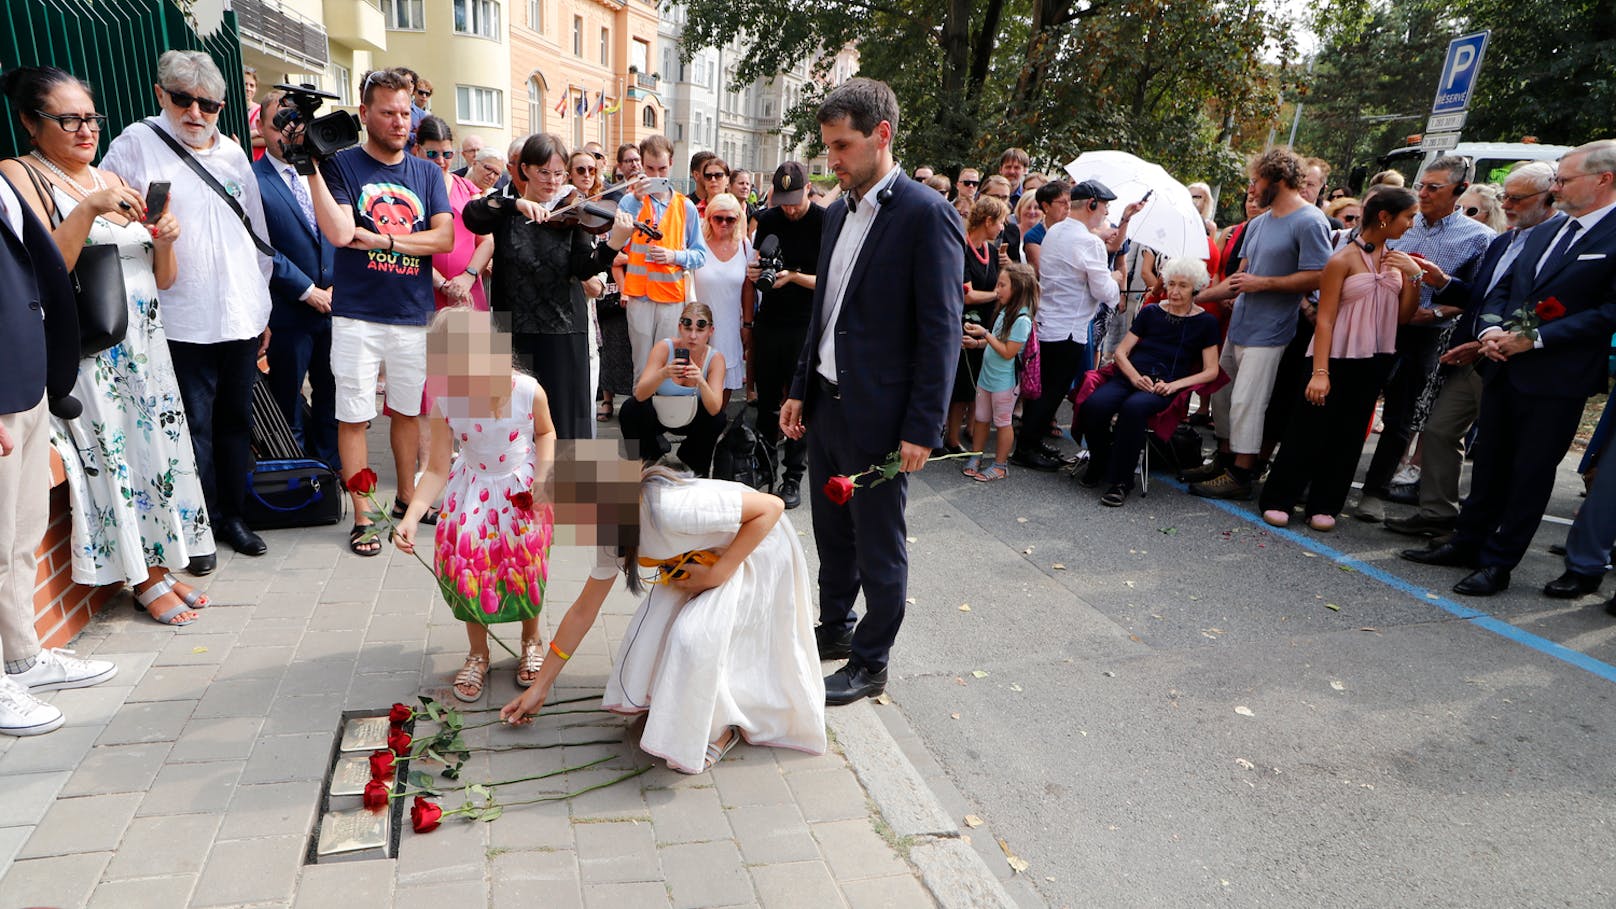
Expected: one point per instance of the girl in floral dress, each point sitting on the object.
(491, 551)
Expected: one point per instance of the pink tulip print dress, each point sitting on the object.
(492, 553)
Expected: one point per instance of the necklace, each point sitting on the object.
(983, 255)
(95, 179)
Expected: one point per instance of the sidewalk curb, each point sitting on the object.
(952, 871)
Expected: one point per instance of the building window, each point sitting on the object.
(406, 15)
(640, 56)
(477, 17)
(577, 36)
(342, 84)
(649, 117)
(535, 105)
(535, 15)
(475, 106)
(606, 47)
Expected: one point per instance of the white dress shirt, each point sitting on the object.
(222, 290)
(843, 258)
(293, 180)
(12, 207)
(1587, 223)
(1074, 281)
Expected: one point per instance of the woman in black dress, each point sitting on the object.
(540, 267)
(982, 229)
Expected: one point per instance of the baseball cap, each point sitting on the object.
(790, 183)
(1093, 189)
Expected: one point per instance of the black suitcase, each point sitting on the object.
(293, 492)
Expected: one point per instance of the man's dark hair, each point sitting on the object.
(864, 102)
(1015, 154)
(699, 160)
(656, 143)
(541, 147)
(626, 146)
(391, 80)
(1278, 165)
(1049, 192)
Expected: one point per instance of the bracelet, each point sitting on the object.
(471, 271)
(557, 651)
(746, 325)
(1321, 372)
(390, 241)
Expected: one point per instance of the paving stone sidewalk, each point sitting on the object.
(192, 778)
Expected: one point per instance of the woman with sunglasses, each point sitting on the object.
(712, 179)
(583, 175)
(722, 284)
(138, 508)
(680, 391)
(456, 277)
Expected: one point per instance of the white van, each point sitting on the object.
(1489, 161)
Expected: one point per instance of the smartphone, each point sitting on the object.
(681, 353)
(1148, 194)
(656, 185)
(156, 200)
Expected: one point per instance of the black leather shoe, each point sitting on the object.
(831, 645)
(1448, 554)
(1035, 460)
(851, 683)
(1419, 525)
(1571, 585)
(1484, 582)
(202, 564)
(791, 492)
(240, 537)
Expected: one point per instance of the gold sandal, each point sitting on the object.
(471, 676)
(530, 663)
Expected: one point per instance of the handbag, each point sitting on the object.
(677, 411)
(98, 288)
(292, 492)
(1028, 364)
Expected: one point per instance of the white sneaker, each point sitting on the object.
(57, 668)
(23, 714)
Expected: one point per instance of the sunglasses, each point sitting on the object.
(424, 92)
(72, 123)
(599, 156)
(583, 169)
(1472, 211)
(715, 175)
(970, 182)
(697, 324)
(434, 154)
(1349, 219)
(183, 101)
(723, 219)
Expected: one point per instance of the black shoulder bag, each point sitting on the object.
(213, 184)
(98, 288)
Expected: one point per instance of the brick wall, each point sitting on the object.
(61, 607)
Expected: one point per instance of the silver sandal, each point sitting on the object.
(531, 662)
(195, 599)
(471, 675)
(156, 592)
(716, 752)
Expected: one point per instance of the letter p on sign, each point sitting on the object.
(1463, 57)
(1458, 79)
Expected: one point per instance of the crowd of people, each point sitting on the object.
(510, 306)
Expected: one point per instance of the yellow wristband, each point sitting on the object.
(557, 651)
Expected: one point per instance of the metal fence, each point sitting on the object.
(114, 46)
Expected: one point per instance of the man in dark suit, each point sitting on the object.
(874, 376)
(300, 287)
(1534, 398)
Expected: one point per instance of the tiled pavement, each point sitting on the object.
(192, 778)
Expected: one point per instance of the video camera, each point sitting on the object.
(769, 263)
(310, 138)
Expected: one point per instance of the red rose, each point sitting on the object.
(399, 715)
(375, 794)
(424, 815)
(398, 742)
(382, 763)
(363, 482)
(839, 489)
(1550, 308)
(522, 500)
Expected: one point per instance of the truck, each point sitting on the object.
(1489, 161)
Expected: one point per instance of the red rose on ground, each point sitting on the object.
(382, 763)
(399, 714)
(1550, 308)
(363, 482)
(398, 742)
(424, 815)
(839, 489)
(522, 500)
(375, 794)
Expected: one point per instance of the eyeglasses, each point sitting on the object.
(715, 175)
(1333, 196)
(72, 123)
(697, 324)
(1561, 181)
(434, 154)
(970, 182)
(1433, 187)
(723, 219)
(183, 101)
(582, 169)
(551, 174)
(1002, 197)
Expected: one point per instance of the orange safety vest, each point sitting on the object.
(658, 283)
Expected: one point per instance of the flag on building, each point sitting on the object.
(614, 107)
(561, 106)
(583, 102)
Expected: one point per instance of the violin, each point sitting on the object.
(596, 218)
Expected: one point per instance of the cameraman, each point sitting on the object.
(775, 329)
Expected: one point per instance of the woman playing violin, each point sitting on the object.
(540, 262)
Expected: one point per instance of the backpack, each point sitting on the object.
(741, 456)
(1028, 364)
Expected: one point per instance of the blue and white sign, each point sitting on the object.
(1459, 73)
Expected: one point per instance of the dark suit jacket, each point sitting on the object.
(898, 333)
(303, 256)
(1573, 360)
(39, 317)
(1472, 295)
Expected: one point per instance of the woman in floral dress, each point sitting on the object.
(137, 503)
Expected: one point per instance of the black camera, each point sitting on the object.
(309, 138)
(769, 263)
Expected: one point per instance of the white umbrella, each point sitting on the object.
(1169, 222)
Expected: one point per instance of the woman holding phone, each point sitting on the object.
(681, 391)
(138, 511)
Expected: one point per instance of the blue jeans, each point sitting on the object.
(294, 354)
(216, 383)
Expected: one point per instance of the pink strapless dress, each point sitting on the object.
(1366, 322)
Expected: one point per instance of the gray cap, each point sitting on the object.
(1093, 189)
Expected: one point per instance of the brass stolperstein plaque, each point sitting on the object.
(350, 776)
(353, 830)
(367, 733)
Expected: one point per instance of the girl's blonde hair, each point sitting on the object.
(1028, 201)
(724, 202)
(698, 310)
(1023, 295)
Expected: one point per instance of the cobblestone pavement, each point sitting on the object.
(193, 777)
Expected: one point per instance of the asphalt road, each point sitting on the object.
(1170, 704)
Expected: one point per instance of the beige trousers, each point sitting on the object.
(24, 514)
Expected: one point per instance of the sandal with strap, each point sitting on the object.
(529, 665)
(400, 507)
(971, 468)
(996, 472)
(156, 592)
(716, 750)
(471, 676)
(366, 535)
(193, 599)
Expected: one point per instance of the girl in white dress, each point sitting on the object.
(722, 647)
(722, 284)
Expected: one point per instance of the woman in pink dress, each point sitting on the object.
(457, 275)
(1366, 292)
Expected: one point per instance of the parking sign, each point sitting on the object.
(1459, 71)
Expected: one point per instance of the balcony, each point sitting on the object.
(357, 23)
(647, 81)
(283, 33)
